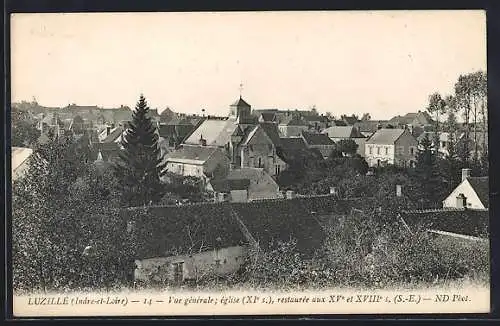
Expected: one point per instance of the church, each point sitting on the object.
(246, 142)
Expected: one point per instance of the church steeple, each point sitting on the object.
(240, 108)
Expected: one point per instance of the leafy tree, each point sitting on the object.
(347, 147)
(140, 166)
(437, 106)
(24, 131)
(37, 202)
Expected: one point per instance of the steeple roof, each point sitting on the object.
(240, 102)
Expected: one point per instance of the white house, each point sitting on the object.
(245, 184)
(391, 147)
(197, 161)
(472, 192)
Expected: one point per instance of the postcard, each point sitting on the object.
(249, 163)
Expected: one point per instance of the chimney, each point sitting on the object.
(290, 194)
(465, 174)
(461, 201)
(399, 192)
(221, 197)
(203, 142)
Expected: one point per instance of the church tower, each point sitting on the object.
(239, 109)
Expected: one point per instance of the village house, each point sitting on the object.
(464, 215)
(245, 184)
(472, 193)
(179, 244)
(420, 119)
(391, 147)
(175, 131)
(197, 161)
(338, 133)
(368, 127)
(320, 142)
(292, 126)
(19, 161)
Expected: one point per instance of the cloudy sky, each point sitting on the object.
(384, 63)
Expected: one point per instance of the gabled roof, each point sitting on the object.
(482, 189)
(268, 116)
(191, 154)
(114, 135)
(216, 132)
(343, 132)
(179, 230)
(293, 144)
(370, 125)
(317, 139)
(385, 136)
(18, 156)
(272, 132)
(461, 221)
(240, 102)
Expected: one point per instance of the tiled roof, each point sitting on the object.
(215, 132)
(113, 136)
(225, 185)
(109, 151)
(293, 143)
(461, 221)
(240, 102)
(272, 132)
(370, 126)
(385, 136)
(482, 188)
(176, 230)
(317, 139)
(342, 132)
(268, 116)
(191, 154)
(18, 156)
(169, 230)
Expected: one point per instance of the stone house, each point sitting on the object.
(197, 161)
(178, 244)
(472, 193)
(292, 126)
(419, 119)
(245, 184)
(391, 147)
(338, 133)
(320, 142)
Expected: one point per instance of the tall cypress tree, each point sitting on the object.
(141, 165)
(428, 174)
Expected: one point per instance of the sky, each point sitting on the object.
(384, 63)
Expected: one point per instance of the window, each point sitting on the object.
(386, 151)
(217, 262)
(277, 169)
(378, 150)
(370, 149)
(412, 150)
(443, 144)
(178, 271)
(260, 162)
